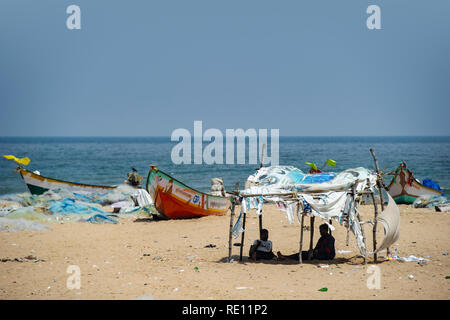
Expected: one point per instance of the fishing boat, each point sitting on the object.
(405, 188)
(175, 200)
(38, 184)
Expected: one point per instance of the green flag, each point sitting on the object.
(313, 165)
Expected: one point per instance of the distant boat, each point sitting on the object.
(405, 188)
(38, 184)
(175, 200)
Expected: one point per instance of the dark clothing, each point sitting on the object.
(261, 255)
(295, 256)
(324, 250)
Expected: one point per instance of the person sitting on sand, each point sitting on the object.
(324, 249)
(262, 248)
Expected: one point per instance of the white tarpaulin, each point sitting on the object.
(325, 195)
(390, 218)
(327, 198)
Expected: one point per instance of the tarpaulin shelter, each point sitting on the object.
(329, 196)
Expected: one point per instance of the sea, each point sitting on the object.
(107, 160)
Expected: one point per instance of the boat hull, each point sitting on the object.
(38, 184)
(405, 189)
(175, 200)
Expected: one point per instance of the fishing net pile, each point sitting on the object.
(31, 212)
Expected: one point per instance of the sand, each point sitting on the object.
(171, 260)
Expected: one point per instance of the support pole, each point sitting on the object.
(375, 227)
(260, 223)
(242, 236)
(301, 237)
(358, 217)
(230, 236)
(350, 212)
(331, 223)
(380, 184)
(311, 240)
(260, 166)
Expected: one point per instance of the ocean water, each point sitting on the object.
(106, 161)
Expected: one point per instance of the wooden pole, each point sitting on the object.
(380, 184)
(260, 166)
(301, 237)
(358, 217)
(331, 223)
(350, 212)
(242, 237)
(260, 223)
(311, 239)
(374, 227)
(230, 237)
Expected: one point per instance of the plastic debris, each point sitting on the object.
(412, 259)
(429, 201)
(324, 289)
(122, 204)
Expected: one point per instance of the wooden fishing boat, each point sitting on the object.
(175, 200)
(38, 184)
(405, 188)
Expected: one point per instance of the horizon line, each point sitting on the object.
(284, 136)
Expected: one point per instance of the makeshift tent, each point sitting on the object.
(329, 196)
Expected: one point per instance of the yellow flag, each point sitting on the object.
(25, 161)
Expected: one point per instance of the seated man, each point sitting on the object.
(262, 249)
(324, 249)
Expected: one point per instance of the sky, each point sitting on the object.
(146, 68)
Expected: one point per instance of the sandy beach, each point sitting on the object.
(138, 259)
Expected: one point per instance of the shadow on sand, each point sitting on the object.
(354, 261)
